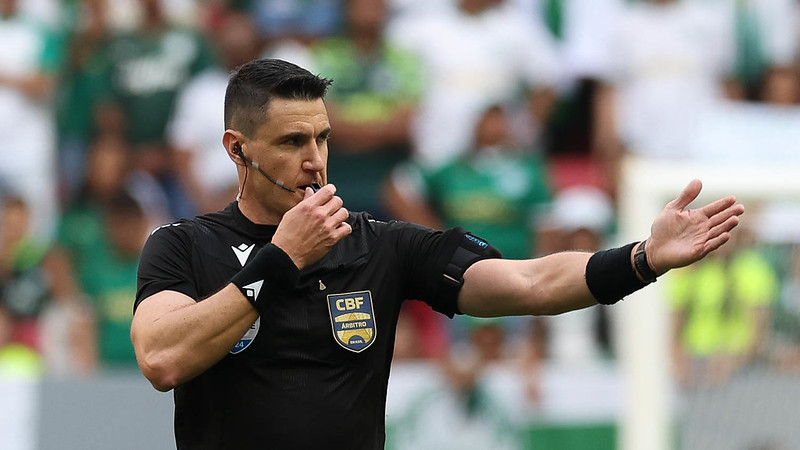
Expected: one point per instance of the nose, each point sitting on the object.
(315, 161)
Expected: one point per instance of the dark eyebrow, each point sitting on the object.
(297, 135)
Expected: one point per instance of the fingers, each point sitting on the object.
(724, 227)
(719, 206)
(339, 216)
(333, 208)
(322, 196)
(342, 231)
(689, 193)
(724, 215)
(720, 234)
(334, 205)
(721, 224)
(325, 197)
(715, 243)
(336, 228)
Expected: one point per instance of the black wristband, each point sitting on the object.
(641, 264)
(270, 270)
(610, 275)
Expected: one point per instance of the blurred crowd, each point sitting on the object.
(509, 118)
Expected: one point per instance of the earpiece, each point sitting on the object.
(238, 149)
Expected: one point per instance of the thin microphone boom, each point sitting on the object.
(280, 184)
(258, 169)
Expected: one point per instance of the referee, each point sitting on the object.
(273, 320)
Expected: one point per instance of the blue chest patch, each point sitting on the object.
(352, 320)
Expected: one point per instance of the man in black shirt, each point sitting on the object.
(273, 320)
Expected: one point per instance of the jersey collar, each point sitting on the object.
(257, 231)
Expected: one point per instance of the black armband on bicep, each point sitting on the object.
(459, 252)
(269, 271)
(470, 249)
(610, 275)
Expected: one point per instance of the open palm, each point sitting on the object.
(681, 236)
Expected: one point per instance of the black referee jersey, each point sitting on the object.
(312, 371)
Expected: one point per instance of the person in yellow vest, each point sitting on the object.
(721, 312)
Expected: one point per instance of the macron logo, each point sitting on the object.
(253, 289)
(242, 252)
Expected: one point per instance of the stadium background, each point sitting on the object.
(573, 395)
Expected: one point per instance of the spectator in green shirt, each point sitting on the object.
(498, 189)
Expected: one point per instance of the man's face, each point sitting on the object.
(291, 147)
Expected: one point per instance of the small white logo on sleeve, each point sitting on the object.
(253, 289)
(242, 252)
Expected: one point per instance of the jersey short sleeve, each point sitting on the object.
(437, 262)
(165, 263)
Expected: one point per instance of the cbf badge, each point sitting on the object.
(352, 320)
(248, 337)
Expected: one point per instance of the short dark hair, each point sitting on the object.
(252, 85)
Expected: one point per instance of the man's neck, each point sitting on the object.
(257, 214)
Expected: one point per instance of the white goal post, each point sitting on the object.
(642, 321)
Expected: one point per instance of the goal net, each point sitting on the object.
(710, 354)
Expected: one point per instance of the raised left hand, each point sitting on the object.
(681, 236)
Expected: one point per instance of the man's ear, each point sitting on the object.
(232, 141)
